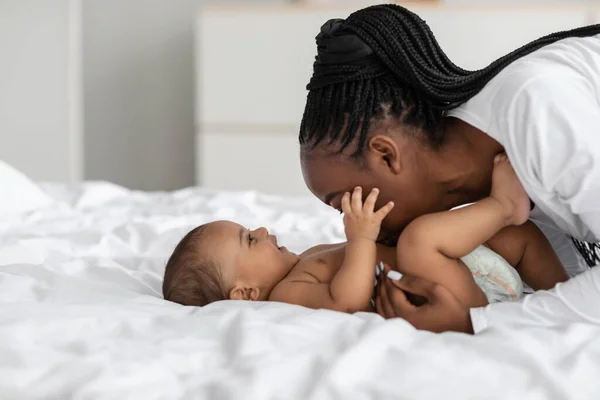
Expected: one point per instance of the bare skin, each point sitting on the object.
(533, 257)
(340, 277)
(418, 179)
(432, 245)
(345, 285)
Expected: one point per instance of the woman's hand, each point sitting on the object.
(442, 312)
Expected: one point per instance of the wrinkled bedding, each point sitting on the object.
(82, 316)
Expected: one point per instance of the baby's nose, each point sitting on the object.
(262, 232)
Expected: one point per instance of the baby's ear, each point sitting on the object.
(241, 292)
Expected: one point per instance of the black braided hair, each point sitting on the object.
(385, 61)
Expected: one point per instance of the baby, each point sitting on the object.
(479, 252)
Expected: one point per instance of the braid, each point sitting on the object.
(406, 75)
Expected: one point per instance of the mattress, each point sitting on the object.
(82, 316)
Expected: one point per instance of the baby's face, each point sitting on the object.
(251, 256)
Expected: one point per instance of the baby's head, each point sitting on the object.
(223, 260)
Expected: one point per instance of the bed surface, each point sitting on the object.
(82, 316)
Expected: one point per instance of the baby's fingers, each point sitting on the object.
(369, 205)
(384, 211)
(346, 208)
(357, 199)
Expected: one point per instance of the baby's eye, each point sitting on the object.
(250, 238)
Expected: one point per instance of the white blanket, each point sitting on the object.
(82, 316)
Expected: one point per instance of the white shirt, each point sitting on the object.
(544, 109)
(561, 243)
(573, 301)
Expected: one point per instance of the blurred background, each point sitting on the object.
(164, 94)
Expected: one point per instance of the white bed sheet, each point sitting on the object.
(82, 317)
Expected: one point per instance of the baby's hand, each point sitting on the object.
(509, 192)
(360, 220)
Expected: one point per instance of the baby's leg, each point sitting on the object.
(456, 233)
(431, 247)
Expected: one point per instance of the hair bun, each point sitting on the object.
(337, 45)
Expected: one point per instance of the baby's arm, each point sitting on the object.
(351, 288)
(430, 247)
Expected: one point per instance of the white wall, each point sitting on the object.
(139, 91)
(39, 88)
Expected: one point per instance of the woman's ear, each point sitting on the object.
(244, 292)
(385, 152)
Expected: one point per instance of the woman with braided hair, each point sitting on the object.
(387, 109)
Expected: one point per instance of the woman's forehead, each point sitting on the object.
(328, 176)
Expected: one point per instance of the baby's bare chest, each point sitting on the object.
(324, 265)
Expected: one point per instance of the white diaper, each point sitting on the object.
(494, 275)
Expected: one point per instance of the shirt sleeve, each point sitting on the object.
(571, 302)
(551, 126)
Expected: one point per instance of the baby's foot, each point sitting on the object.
(509, 192)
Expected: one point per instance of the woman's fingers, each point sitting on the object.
(390, 301)
(397, 298)
(433, 292)
(382, 302)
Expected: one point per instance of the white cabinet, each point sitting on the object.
(251, 160)
(253, 64)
